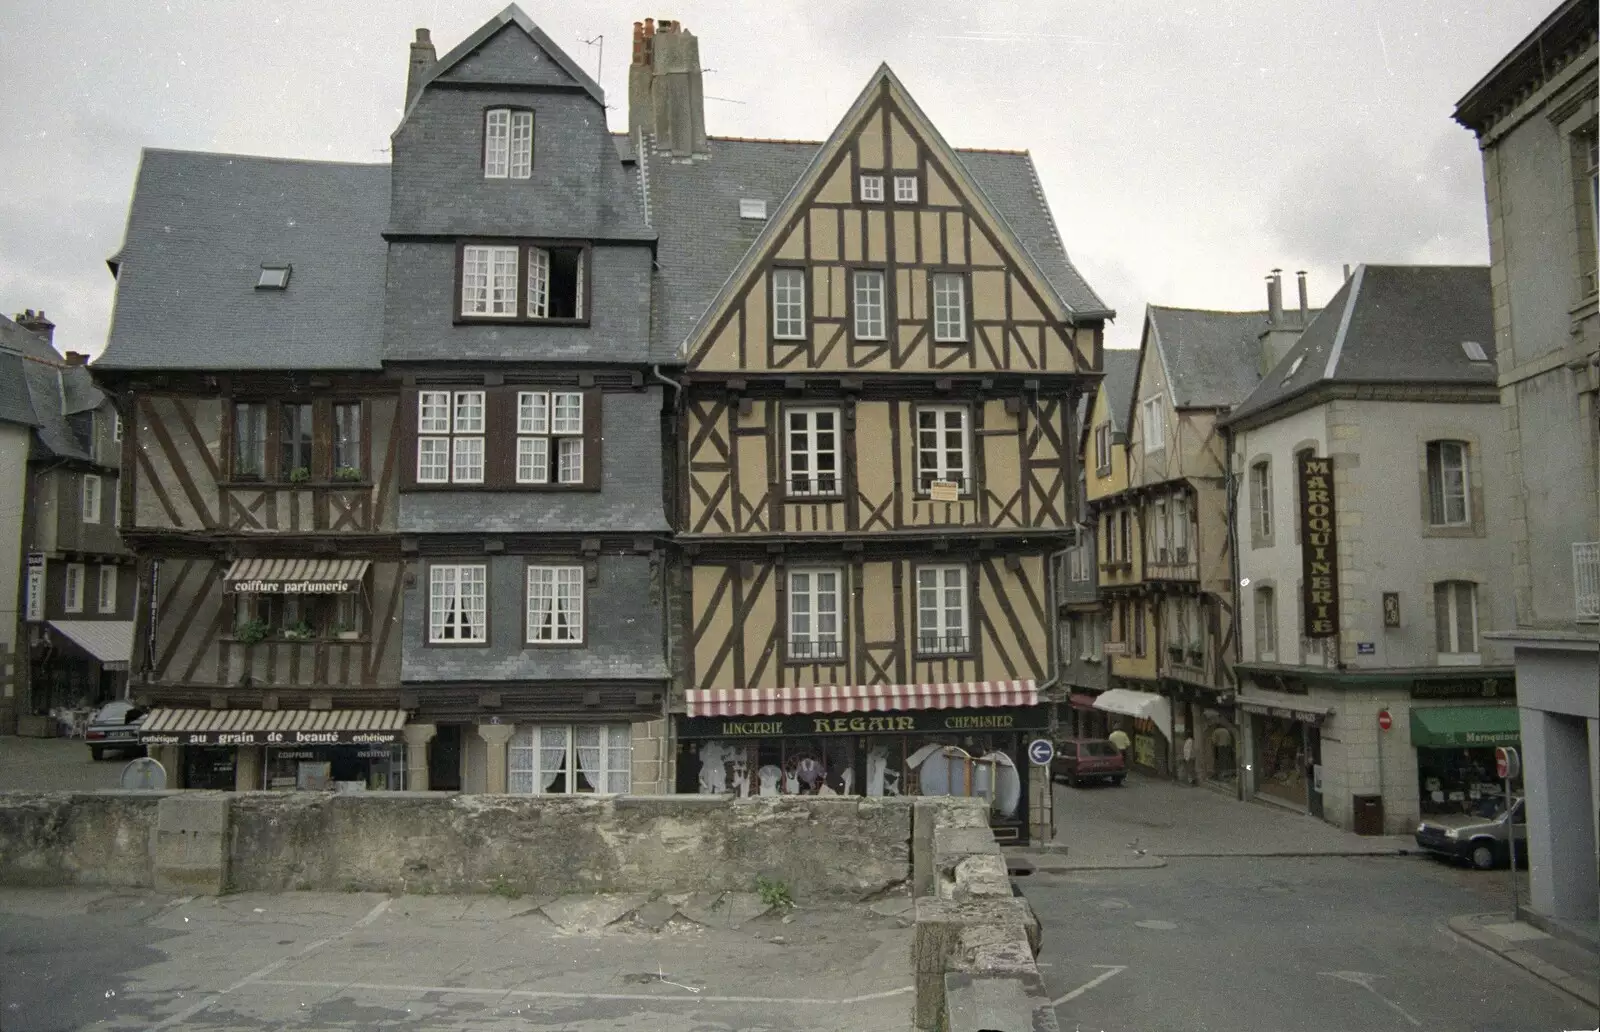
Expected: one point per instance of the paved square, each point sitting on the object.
(123, 960)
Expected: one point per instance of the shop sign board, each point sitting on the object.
(266, 587)
(807, 725)
(1366, 648)
(34, 605)
(1465, 688)
(1319, 547)
(269, 738)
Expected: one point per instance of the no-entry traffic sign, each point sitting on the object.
(1041, 752)
(1384, 720)
(1507, 764)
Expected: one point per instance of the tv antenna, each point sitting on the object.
(599, 43)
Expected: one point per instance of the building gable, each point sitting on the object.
(829, 230)
(510, 56)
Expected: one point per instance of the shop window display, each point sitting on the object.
(1453, 781)
(1280, 759)
(348, 768)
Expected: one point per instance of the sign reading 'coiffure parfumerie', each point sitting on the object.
(1319, 547)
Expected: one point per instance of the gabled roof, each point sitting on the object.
(1390, 324)
(16, 403)
(1121, 367)
(199, 229)
(1212, 359)
(39, 388)
(706, 249)
(514, 16)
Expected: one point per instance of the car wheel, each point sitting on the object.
(1118, 780)
(97, 753)
(1483, 856)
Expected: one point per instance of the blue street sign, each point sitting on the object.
(1041, 752)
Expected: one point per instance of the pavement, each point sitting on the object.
(119, 960)
(1564, 964)
(56, 763)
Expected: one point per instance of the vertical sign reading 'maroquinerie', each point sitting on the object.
(1319, 547)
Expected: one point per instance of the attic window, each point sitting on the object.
(750, 208)
(273, 277)
(1474, 351)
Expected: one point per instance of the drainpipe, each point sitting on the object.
(1231, 481)
(668, 760)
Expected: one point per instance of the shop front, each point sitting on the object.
(1082, 720)
(1455, 755)
(1285, 761)
(279, 750)
(873, 741)
(1146, 718)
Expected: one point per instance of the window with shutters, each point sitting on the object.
(450, 437)
(523, 282)
(555, 605)
(815, 620)
(812, 447)
(941, 610)
(550, 441)
(73, 602)
(507, 143)
(458, 605)
(943, 447)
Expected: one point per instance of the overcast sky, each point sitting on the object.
(1185, 152)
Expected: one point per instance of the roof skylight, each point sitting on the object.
(1474, 351)
(752, 208)
(273, 277)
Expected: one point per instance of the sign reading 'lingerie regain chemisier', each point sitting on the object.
(1319, 547)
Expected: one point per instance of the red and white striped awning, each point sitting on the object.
(859, 698)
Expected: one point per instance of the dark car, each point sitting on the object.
(115, 727)
(1088, 759)
(1482, 838)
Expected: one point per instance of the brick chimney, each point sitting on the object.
(666, 97)
(76, 358)
(423, 58)
(1282, 331)
(37, 323)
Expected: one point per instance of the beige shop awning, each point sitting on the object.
(271, 727)
(108, 641)
(295, 576)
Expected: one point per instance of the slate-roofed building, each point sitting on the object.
(65, 568)
(1371, 495)
(883, 344)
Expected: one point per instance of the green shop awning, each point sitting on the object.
(1464, 727)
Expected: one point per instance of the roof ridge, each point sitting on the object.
(277, 159)
(1210, 311)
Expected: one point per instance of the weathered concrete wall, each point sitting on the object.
(77, 838)
(413, 842)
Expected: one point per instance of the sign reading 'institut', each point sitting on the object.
(1024, 718)
(1319, 547)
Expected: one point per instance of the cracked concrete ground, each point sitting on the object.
(122, 959)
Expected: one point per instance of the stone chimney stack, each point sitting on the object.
(666, 97)
(423, 58)
(1305, 305)
(37, 323)
(1280, 335)
(77, 358)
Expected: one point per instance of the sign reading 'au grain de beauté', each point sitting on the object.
(1319, 547)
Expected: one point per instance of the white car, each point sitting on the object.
(116, 726)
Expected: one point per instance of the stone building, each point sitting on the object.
(1392, 387)
(1534, 114)
(65, 566)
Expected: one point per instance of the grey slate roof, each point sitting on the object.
(38, 387)
(16, 403)
(1390, 324)
(694, 207)
(1213, 358)
(1121, 380)
(200, 227)
(471, 62)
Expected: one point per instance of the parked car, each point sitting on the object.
(1088, 759)
(115, 727)
(1482, 837)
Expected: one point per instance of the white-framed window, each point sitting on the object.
(1155, 434)
(949, 306)
(872, 187)
(458, 604)
(1138, 628)
(1449, 497)
(1093, 637)
(1266, 615)
(815, 619)
(450, 429)
(550, 437)
(108, 589)
(812, 447)
(789, 303)
(1158, 532)
(943, 446)
(489, 281)
(868, 294)
(564, 759)
(1455, 621)
(507, 144)
(89, 498)
(905, 189)
(941, 610)
(555, 283)
(116, 427)
(1261, 498)
(73, 602)
(555, 605)
(1180, 529)
(1102, 449)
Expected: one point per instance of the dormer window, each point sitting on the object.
(507, 143)
(273, 277)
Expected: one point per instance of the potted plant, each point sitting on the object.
(347, 475)
(251, 631)
(301, 631)
(299, 475)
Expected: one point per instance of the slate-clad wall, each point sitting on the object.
(422, 302)
(622, 635)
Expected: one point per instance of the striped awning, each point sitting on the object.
(863, 698)
(295, 576)
(270, 727)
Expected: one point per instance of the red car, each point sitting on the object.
(1088, 759)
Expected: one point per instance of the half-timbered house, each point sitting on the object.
(884, 343)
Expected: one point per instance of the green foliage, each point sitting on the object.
(774, 893)
(505, 890)
(347, 474)
(301, 631)
(251, 631)
(299, 475)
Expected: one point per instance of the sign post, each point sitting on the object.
(1508, 765)
(1385, 722)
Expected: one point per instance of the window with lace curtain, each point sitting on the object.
(562, 759)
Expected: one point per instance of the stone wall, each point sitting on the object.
(77, 838)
